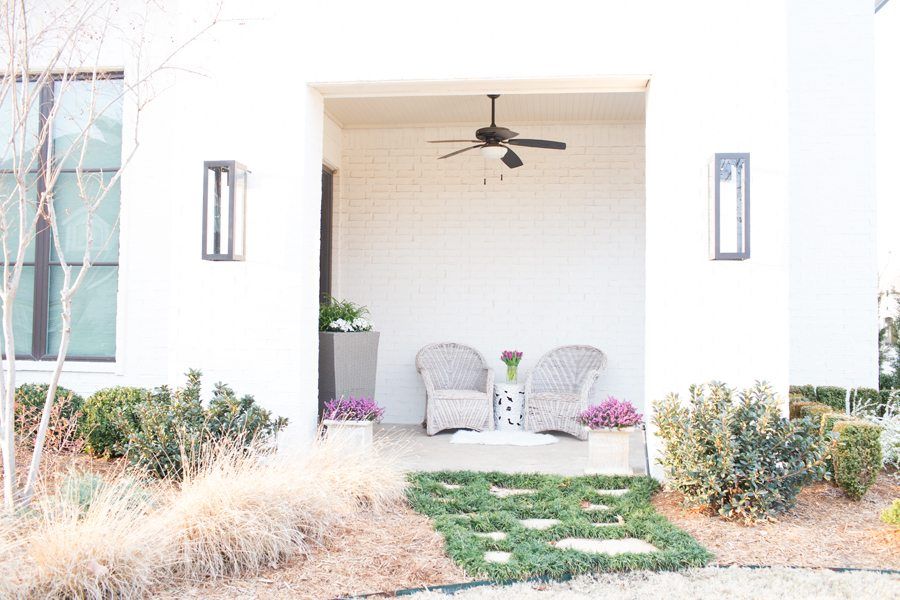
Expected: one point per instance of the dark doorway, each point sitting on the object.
(326, 233)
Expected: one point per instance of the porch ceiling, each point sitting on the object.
(465, 109)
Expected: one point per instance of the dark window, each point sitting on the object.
(37, 320)
(326, 234)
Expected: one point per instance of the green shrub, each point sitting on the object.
(833, 396)
(815, 411)
(807, 391)
(741, 458)
(80, 489)
(857, 456)
(107, 417)
(62, 431)
(891, 514)
(172, 427)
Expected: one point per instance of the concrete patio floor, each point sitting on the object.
(435, 453)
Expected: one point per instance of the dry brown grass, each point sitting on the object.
(240, 512)
(109, 549)
(373, 551)
(824, 529)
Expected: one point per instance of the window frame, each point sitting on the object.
(43, 240)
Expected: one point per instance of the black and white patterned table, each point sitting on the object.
(509, 406)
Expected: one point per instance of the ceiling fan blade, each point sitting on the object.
(454, 141)
(460, 151)
(539, 144)
(511, 159)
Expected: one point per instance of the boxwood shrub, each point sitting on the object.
(739, 457)
(833, 396)
(108, 415)
(856, 455)
(807, 391)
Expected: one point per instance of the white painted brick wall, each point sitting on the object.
(552, 255)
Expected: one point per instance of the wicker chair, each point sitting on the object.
(458, 388)
(558, 388)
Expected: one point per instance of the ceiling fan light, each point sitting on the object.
(493, 151)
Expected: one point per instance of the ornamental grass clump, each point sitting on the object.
(738, 456)
(110, 546)
(352, 409)
(612, 413)
(239, 511)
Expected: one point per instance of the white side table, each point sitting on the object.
(509, 406)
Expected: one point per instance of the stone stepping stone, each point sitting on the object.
(497, 536)
(613, 492)
(450, 486)
(591, 507)
(497, 557)
(619, 521)
(500, 492)
(539, 524)
(611, 547)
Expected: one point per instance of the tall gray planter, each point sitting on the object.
(347, 365)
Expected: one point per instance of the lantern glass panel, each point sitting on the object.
(730, 227)
(240, 203)
(217, 210)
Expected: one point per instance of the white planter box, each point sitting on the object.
(351, 434)
(608, 451)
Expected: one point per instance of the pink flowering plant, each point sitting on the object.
(353, 409)
(511, 358)
(612, 413)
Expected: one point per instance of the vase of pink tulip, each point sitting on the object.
(511, 358)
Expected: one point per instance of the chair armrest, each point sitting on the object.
(489, 382)
(587, 384)
(428, 381)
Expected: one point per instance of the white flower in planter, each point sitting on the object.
(341, 325)
(361, 324)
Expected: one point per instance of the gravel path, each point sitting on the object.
(733, 583)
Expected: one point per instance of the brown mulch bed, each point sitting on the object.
(375, 552)
(824, 529)
(56, 466)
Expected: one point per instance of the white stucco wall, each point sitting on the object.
(788, 81)
(833, 285)
(551, 255)
(887, 150)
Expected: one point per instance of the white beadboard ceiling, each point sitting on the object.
(511, 108)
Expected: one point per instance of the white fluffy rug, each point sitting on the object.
(502, 438)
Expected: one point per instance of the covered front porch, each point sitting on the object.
(468, 250)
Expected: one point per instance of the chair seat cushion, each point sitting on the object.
(460, 395)
(551, 397)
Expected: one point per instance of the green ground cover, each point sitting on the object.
(462, 505)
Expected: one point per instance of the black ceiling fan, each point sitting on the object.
(494, 142)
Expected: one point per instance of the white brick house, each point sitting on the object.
(605, 243)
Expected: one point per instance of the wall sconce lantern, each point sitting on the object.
(729, 223)
(224, 209)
